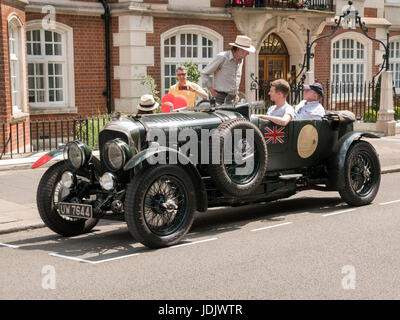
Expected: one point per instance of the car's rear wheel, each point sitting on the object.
(51, 191)
(232, 176)
(160, 205)
(362, 174)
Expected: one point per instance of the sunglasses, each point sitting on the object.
(181, 74)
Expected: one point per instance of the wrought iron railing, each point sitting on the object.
(326, 5)
(20, 137)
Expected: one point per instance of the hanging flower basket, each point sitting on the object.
(295, 3)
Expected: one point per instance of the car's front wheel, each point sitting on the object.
(160, 205)
(49, 193)
(362, 174)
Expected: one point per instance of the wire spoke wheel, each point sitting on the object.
(360, 174)
(159, 205)
(164, 205)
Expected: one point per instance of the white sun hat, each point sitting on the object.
(244, 43)
(147, 103)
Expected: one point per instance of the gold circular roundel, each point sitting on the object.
(307, 141)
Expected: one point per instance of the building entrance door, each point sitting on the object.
(272, 67)
(273, 63)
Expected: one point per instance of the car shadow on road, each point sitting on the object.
(113, 240)
(226, 219)
(94, 246)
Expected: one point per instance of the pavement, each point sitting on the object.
(18, 184)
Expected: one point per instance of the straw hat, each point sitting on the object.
(244, 43)
(147, 103)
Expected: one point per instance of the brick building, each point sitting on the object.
(54, 62)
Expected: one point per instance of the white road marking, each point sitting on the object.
(274, 226)
(391, 139)
(9, 245)
(390, 202)
(89, 261)
(195, 242)
(338, 212)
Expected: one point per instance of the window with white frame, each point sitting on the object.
(394, 65)
(50, 68)
(349, 66)
(16, 64)
(46, 63)
(185, 46)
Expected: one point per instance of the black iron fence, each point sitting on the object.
(326, 5)
(361, 98)
(20, 137)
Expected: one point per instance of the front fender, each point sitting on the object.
(150, 152)
(189, 166)
(336, 162)
(48, 156)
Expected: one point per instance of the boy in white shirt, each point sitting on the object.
(281, 113)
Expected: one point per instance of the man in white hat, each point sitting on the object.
(226, 68)
(147, 104)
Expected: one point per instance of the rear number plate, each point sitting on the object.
(76, 210)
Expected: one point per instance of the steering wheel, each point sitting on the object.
(205, 101)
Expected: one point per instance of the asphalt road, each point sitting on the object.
(311, 246)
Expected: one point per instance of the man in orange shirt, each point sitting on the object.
(186, 88)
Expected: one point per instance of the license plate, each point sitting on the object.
(76, 210)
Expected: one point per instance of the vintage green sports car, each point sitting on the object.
(156, 186)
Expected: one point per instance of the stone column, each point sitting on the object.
(309, 77)
(251, 63)
(386, 123)
(134, 58)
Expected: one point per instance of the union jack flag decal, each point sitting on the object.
(274, 135)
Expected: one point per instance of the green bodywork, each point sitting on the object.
(333, 139)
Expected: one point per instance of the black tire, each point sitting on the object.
(45, 199)
(222, 173)
(362, 174)
(146, 200)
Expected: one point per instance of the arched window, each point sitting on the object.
(394, 58)
(50, 67)
(186, 44)
(349, 65)
(273, 44)
(17, 64)
(349, 61)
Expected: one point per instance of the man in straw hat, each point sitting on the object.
(147, 104)
(226, 68)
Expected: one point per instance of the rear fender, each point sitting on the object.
(337, 161)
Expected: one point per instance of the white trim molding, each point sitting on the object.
(14, 21)
(396, 62)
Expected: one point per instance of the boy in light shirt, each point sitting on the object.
(281, 113)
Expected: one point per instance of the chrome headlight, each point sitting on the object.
(107, 181)
(77, 154)
(68, 179)
(116, 153)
